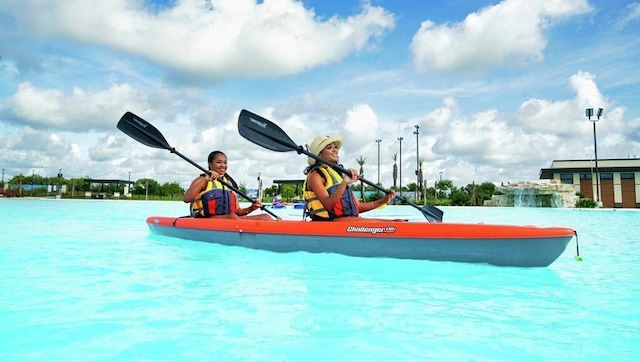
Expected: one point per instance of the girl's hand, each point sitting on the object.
(388, 197)
(212, 175)
(256, 205)
(353, 177)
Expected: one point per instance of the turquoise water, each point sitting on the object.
(85, 280)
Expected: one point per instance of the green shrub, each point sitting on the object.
(586, 204)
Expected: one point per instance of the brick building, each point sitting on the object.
(619, 181)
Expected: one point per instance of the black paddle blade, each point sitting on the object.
(142, 131)
(264, 133)
(432, 213)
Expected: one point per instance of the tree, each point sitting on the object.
(288, 191)
(172, 189)
(271, 191)
(147, 187)
(480, 193)
(444, 187)
(361, 163)
(420, 193)
(459, 197)
(395, 170)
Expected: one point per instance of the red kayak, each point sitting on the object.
(504, 245)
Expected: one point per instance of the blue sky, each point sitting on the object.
(498, 88)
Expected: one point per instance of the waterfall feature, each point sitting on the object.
(525, 197)
(527, 194)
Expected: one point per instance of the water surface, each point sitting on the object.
(85, 280)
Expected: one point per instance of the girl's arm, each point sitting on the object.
(199, 184)
(368, 206)
(317, 185)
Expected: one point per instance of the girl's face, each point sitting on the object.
(330, 152)
(219, 164)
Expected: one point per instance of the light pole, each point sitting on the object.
(59, 179)
(400, 139)
(417, 132)
(129, 186)
(589, 114)
(439, 183)
(378, 142)
(435, 190)
(33, 175)
(2, 186)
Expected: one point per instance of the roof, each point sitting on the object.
(294, 182)
(577, 166)
(107, 181)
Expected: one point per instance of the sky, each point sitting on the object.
(498, 89)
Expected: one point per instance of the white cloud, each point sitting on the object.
(520, 143)
(588, 95)
(509, 32)
(632, 14)
(79, 110)
(360, 120)
(220, 39)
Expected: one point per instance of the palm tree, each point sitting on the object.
(420, 192)
(361, 163)
(395, 170)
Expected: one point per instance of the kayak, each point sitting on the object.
(503, 245)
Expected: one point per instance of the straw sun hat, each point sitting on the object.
(319, 143)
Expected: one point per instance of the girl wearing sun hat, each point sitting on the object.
(327, 193)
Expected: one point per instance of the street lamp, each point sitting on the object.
(417, 132)
(400, 139)
(589, 114)
(439, 184)
(378, 142)
(2, 187)
(129, 185)
(59, 177)
(33, 174)
(259, 186)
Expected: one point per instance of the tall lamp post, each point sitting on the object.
(438, 184)
(589, 114)
(33, 175)
(2, 186)
(378, 142)
(129, 186)
(417, 132)
(400, 139)
(59, 181)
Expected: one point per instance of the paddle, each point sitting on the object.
(145, 133)
(265, 133)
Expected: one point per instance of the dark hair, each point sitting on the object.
(213, 155)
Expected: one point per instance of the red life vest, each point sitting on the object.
(214, 200)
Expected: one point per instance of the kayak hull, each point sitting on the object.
(503, 245)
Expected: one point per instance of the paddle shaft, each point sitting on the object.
(337, 167)
(152, 133)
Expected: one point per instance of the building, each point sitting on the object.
(618, 187)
